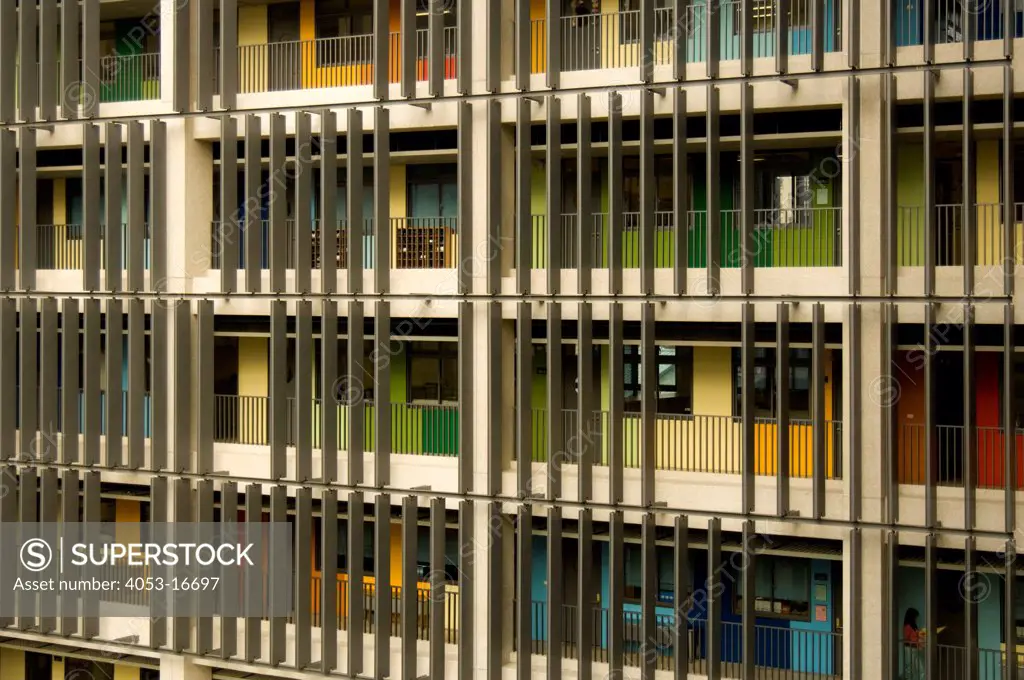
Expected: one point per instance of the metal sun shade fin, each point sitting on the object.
(552, 43)
(253, 230)
(228, 54)
(303, 390)
(647, 197)
(159, 338)
(680, 191)
(28, 64)
(781, 36)
(890, 330)
(587, 426)
(747, 189)
(616, 372)
(354, 186)
(91, 386)
(853, 430)
(158, 207)
(586, 227)
(496, 617)
(253, 587)
(8, 379)
(714, 632)
(466, 402)
(382, 200)
(278, 206)
(464, 47)
(113, 181)
(136, 393)
(714, 217)
(746, 21)
(585, 596)
(27, 208)
(88, 94)
(522, 52)
(713, 39)
(280, 571)
(354, 567)
(203, 87)
(203, 619)
(436, 582)
(817, 34)
(616, 572)
(328, 394)
(648, 404)
(328, 203)
(747, 408)
(204, 383)
(970, 429)
(48, 384)
(889, 195)
(680, 27)
(818, 421)
(182, 513)
(523, 171)
(159, 502)
(382, 393)
(852, 177)
(9, 55)
(410, 555)
(524, 589)
(467, 577)
(971, 609)
(1009, 420)
(382, 586)
(556, 595)
(135, 246)
(329, 584)
(354, 393)
(381, 48)
(931, 453)
(492, 68)
(113, 394)
(182, 386)
(11, 570)
(681, 597)
(90, 625)
(181, 36)
(8, 204)
(928, 156)
(70, 506)
(28, 387)
(524, 407)
(556, 453)
(495, 213)
(70, 362)
(970, 187)
(851, 33)
(91, 237)
(782, 399)
(464, 189)
(303, 576)
(1010, 255)
(28, 505)
(647, 50)
(303, 174)
(1011, 586)
(435, 49)
(278, 390)
(648, 596)
(228, 236)
(554, 226)
(230, 581)
(854, 623)
(496, 441)
(748, 581)
(615, 193)
(408, 47)
(931, 606)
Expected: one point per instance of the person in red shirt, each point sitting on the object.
(913, 641)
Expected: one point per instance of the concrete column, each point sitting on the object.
(873, 645)
(173, 667)
(189, 205)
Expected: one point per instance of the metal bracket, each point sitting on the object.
(535, 100)
(660, 91)
(48, 128)
(792, 82)
(426, 106)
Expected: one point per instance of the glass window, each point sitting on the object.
(629, 21)
(664, 580)
(631, 184)
(433, 372)
(765, 402)
(782, 588)
(675, 379)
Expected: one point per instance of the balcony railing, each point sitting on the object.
(782, 653)
(803, 237)
(692, 443)
(330, 62)
(949, 22)
(416, 243)
(146, 407)
(948, 238)
(61, 246)
(122, 78)
(416, 429)
(951, 451)
(611, 40)
(953, 663)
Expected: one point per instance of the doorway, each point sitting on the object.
(284, 59)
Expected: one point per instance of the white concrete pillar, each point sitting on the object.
(174, 667)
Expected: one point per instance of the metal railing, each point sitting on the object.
(417, 243)
(61, 246)
(330, 62)
(122, 78)
(691, 443)
(948, 22)
(416, 429)
(953, 663)
(804, 237)
(948, 237)
(786, 652)
(611, 40)
(952, 449)
(424, 603)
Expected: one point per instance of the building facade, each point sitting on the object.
(678, 337)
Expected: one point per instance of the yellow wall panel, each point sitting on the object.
(12, 664)
(712, 381)
(122, 672)
(252, 25)
(57, 668)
